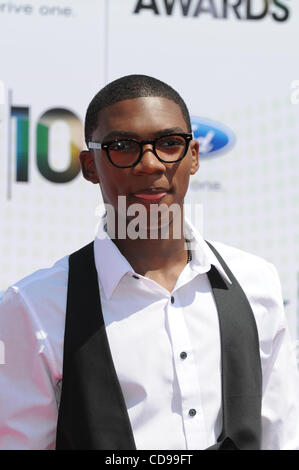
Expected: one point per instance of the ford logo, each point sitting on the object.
(214, 138)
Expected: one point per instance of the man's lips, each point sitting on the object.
(151, 197)
(151, 194)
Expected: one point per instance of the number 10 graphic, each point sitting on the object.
(20, 118)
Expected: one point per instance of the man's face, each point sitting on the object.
(140, 119)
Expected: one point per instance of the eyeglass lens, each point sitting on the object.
(126, 152)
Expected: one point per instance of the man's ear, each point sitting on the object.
(88, 166)
(194, 146)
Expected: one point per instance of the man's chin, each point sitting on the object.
(154, 230)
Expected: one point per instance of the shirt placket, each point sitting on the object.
(187, 375)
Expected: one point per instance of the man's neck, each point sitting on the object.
(161, 257)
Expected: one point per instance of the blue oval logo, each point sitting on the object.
(214, 138)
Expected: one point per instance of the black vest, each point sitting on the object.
(92, 412)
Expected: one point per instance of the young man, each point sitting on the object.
(147, 341)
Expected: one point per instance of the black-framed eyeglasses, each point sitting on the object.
(126, 153)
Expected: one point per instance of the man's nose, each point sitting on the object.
(149, 163)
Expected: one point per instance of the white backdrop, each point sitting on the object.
(232, 64)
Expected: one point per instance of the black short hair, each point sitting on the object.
(127, 87)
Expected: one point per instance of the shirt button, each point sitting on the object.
(172, 299)
(183, 355)
(192, 412)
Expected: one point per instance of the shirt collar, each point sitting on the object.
(202, 255)
(111, 265)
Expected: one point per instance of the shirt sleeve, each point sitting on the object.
(280, 406)
(28, 407)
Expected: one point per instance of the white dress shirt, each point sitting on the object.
(148, 328)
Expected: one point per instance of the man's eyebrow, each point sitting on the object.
(114, 134)
(171, 130)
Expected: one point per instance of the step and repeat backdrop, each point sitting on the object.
(236, 64)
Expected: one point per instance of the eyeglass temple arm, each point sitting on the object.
(94, 145)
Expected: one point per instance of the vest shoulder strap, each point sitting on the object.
(241, 370)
